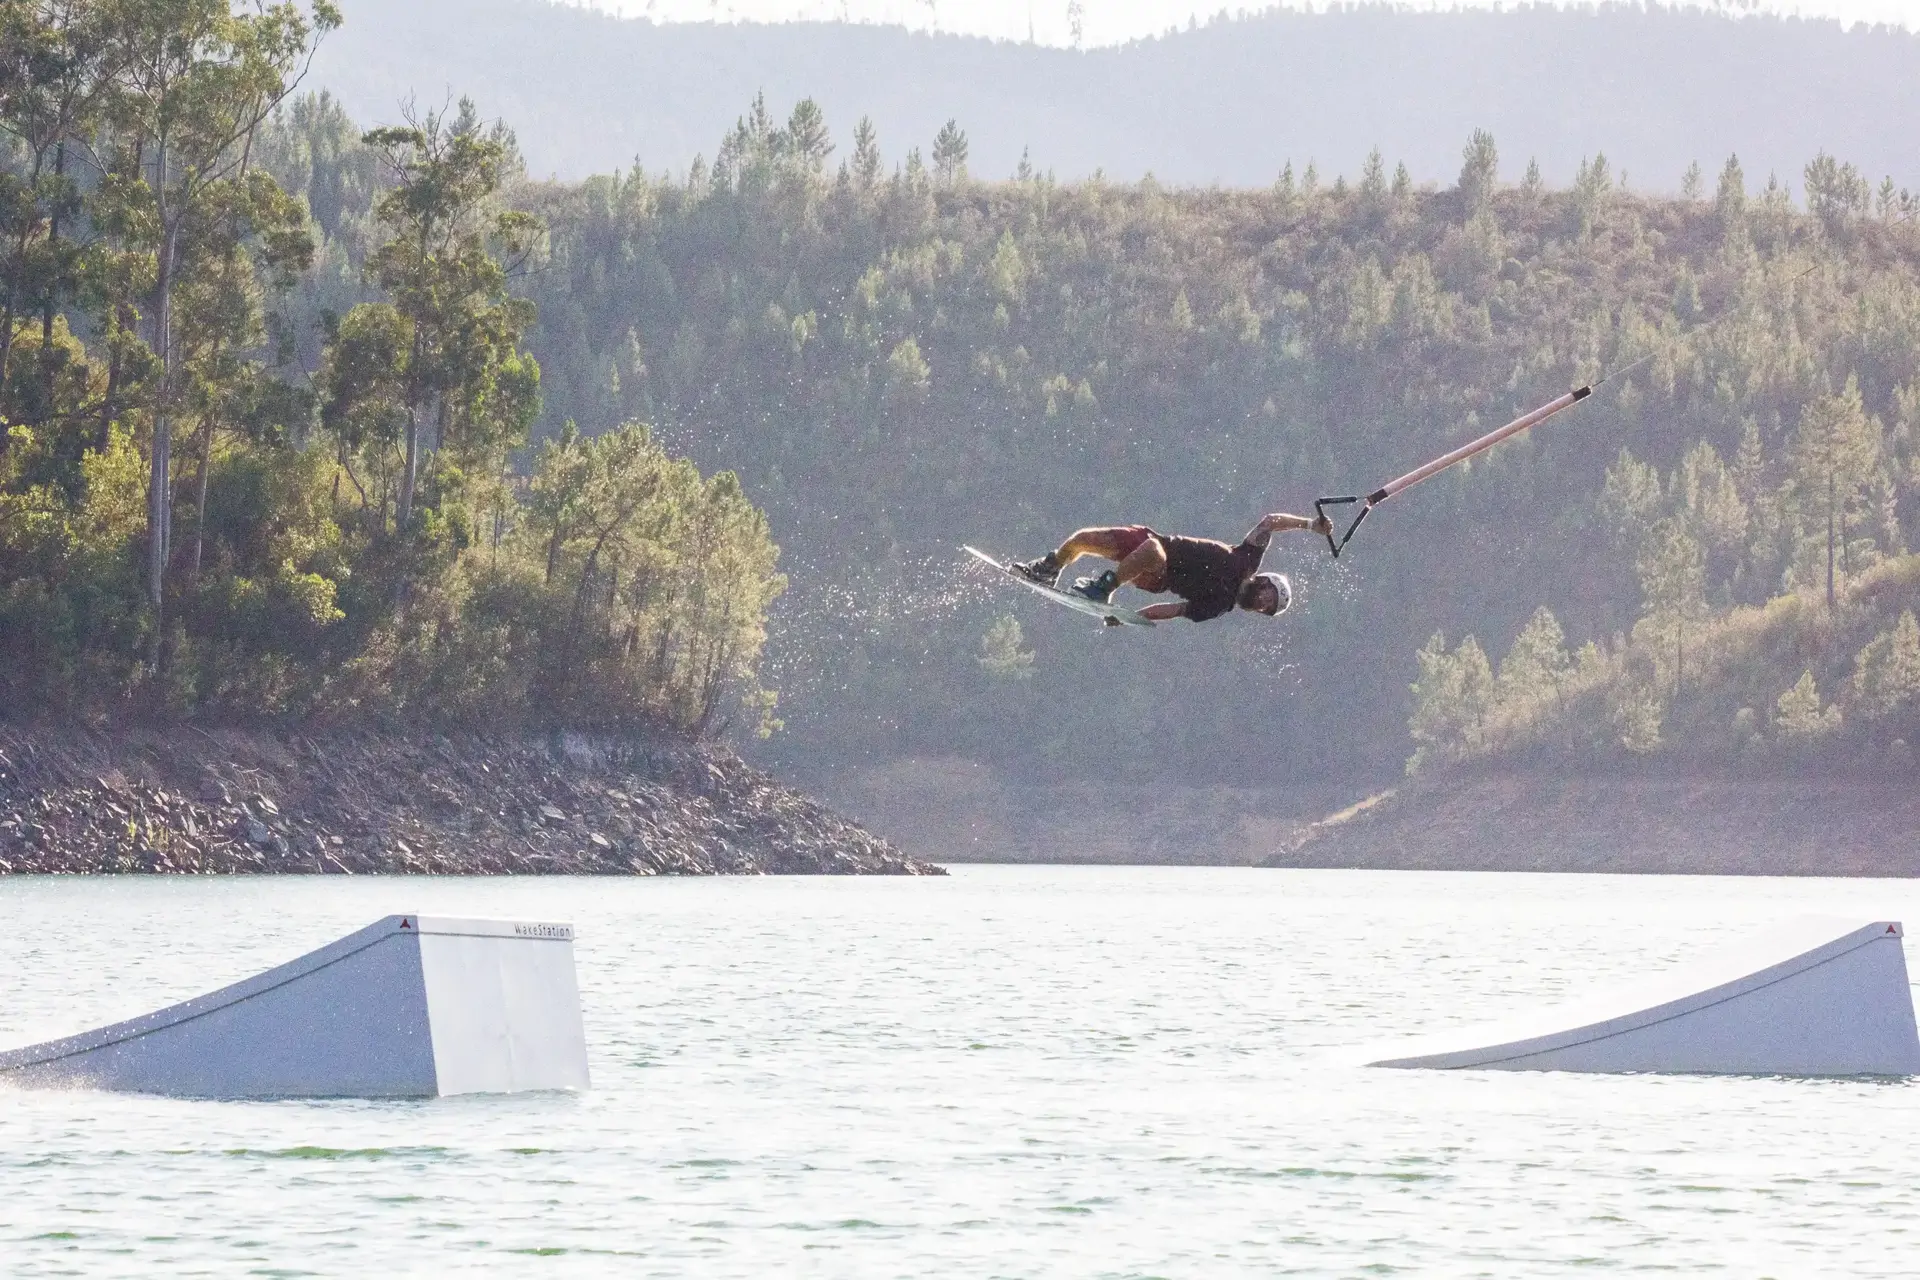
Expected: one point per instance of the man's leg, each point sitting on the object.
(1139, 556)
(1108, 542)
(1144, 567)
(1114, 542)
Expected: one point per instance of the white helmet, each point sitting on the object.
(1282, 589)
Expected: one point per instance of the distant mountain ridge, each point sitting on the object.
(1228, 103)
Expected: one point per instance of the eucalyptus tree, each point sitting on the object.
(197, 81)
(254, 239)
(59, 64)
(436, 367)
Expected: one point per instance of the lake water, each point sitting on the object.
(1017, 1071)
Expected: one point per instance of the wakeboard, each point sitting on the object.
(1078, 603)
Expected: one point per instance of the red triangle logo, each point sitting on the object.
(404, 924)
(1893, 928)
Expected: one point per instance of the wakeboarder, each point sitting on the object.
(1210, 577)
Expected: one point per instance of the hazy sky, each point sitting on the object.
(1113, 21)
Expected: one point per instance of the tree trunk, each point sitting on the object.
(113, 385)
(207, 431)
(53, 245)
(1846, 557)
(160, 481)
(1830, 488)
(403, 510)
(1679, 656)
(200, 503)
(117, 327)
(416, 398)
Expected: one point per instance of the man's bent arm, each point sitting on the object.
(1281, 522)
(1165, 612)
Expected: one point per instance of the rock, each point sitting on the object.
(460, 804)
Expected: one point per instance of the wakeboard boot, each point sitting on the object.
(1099, 588)
(1045, 570)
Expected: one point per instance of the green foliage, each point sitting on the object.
(895, 359)
(369, 549)
(1836, 455)
(1001, 654)
(1798, 716)
(1537, 665)
(1479, 170)
(1451, 701)
(1097, 351)
(1886, 679)
(1735, 660)
(950, 154)
(440, 364)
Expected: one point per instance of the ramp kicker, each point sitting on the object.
(410, 1006)
(1813, 997)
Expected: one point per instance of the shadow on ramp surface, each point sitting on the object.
(407, 1007)
(1813, 997)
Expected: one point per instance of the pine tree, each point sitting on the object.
(1797, 715)
(950, 154)
(866, 155)
(1836, 452)
(1451, 700)
(1673, 578)
(1886, 675)
(1692, 183)
(807, 139)
(1535, 668)
(1836, 193)
(1479, 171)
(1730, 196)
(1373, 182)
(1001, 652)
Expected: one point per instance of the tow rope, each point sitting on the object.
(1534, 419)
(1441, 463)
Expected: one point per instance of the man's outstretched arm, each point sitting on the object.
(1165, 611)
(1281, 522)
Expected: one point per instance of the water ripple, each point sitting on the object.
(1015, 1072)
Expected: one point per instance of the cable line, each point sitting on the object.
(1526, 421)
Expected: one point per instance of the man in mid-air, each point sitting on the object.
(1211, 578)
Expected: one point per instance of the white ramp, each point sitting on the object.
(410, 1006)
(1814, 997)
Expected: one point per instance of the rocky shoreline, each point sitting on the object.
(1675, 825)
(182, 799)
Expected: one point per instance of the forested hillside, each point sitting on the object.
(220, 498)
(423, 412)
(899, 358)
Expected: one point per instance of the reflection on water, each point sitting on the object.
(1016, 1071)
